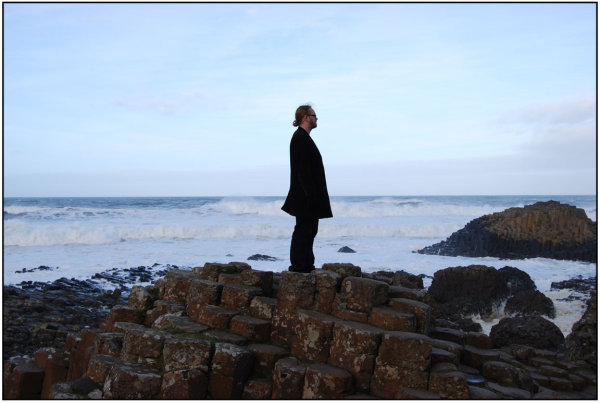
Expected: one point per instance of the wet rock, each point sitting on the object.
(532, 331)
(288, 379)
(346, 249)
(41, 314)
(408, 280)
(531, 302)
(576, 284)
(544, 229)
(264, 258)
(468, 290)
(582, 342)
(516, 280)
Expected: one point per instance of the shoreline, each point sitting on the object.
(40, 314)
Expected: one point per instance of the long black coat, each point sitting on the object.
(307, 197)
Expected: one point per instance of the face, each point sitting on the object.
(312, 118)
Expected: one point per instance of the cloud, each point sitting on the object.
(552, 135)
(572, 111)
(167, 106)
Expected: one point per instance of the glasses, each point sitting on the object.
(312, 115)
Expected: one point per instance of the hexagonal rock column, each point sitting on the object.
(100, 365)
(184, 353)
(162, 307)
(354, 347)
(265, 357)
(260, 279)
(24, 381)
(362, 294)
(296, 291)
(231, 366)
(448, 384)
(402, 361)
(177, 284)
(390, 319)
(343, 269)
(324, 381)
(421, 310)
(140, 298)
(184, 384)
(132, 381)
(202, 293)
(55, 370)
(80, 356)
(328, 284)
(258, 330)
(122, 313)
(108, 343)
(178, 323)
(313, 335)
(263, 307)
(476, 357)
(211, 271)
(238, 297)
(216, 316)
(288, 379)
(143, 345)
(258, 389)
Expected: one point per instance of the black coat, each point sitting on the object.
(307, 197)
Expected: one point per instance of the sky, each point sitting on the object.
(159, 99)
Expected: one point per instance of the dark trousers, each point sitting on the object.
(301, 253)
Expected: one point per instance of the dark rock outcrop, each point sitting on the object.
(530, 302)
(544, 229)
(474, 289)
(576, 284)
(42, 314)
(582, 342)
(457, 293)
(265, 258)
(346, 249)
(532, 331)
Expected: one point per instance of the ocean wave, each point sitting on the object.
(343, 207)
(25, 234)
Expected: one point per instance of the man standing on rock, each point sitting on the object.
(307, 198)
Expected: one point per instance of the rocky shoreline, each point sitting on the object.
(41, 314)
(225, 331)
(38, 314)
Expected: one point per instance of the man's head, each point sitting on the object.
(306, 118)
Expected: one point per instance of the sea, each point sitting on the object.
(78, 237)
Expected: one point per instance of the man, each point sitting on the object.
(307, 198)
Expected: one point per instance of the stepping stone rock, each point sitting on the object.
(362, 294)
(132, 381)
(263, 307)
(343, 269)
(288, 379)
(257, 330)
(258, 389)
(389, 319)
(326, 382)
(449, 385)
(184, 384)
(216, 316)
(231, 367)
(265, 357)
(202, 293)
(187, 353)
(314, 333)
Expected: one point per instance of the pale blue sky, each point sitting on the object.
(198, 99)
